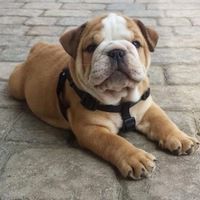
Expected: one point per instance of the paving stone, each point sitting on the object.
(43, 136)
(72, 21)
(45, 30)
(5, 69)
(42, 164)
(174, 22)
(105, 1)
(179, 41)
(41, 21)
(124, 6)
(102, 12)
(190, 31)
(13, 29)
(156, 75)
(60, 173)
(154, 1)
(144, 13)
(30, 129)
(9, 0)
(7, 118)
(164, 31)
(28, 121)
(5, 100)
(15, 54)
(195, 21)
(12, 20)
(40, 5)
(5, 4)
(197, 123)
(173, 6)
(83, 6)
(70, 1)
(176, 56)
(183, 74)
(183, 169)
(182, 13)
(4, 155)
(14, 40)
(185, 121)
(70, 13)
(20, 12)
(35, 1)
(177, 98)
(174, 178)
(185, 1)
(148, 21)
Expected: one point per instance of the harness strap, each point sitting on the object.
(59, 90)
(128, 121)
(93, 104)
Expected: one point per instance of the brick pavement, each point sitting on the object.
(36, 162)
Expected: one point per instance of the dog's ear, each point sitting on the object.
(71, 39)
(150, 35)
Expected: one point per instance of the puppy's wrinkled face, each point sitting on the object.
(112, 56)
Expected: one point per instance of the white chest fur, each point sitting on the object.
(134, 95)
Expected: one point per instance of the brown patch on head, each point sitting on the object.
(70, 40)
(90, 36)
(150, 35)
(143, 51)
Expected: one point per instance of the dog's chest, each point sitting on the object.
(114, 120)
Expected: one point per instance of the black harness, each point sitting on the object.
(93, 104)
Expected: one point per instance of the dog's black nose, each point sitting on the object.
(116, 54)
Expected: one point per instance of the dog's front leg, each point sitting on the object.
(157, 126)
(131, 161)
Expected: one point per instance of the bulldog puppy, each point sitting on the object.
(108, 58)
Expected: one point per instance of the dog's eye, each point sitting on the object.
(136, 44)
(91, 48)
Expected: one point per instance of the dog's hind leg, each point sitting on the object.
(16, 82)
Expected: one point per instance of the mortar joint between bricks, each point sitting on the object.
(165, 76)
(22, 6)
(145, 6)
(189, 19)
(196, 122)
(42, 14)
(24, 23)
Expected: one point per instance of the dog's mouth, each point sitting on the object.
(117, 81)
(118, 76)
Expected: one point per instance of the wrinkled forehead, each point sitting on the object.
(111, 27)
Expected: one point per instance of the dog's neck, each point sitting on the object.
(91, 103)
(133, 94)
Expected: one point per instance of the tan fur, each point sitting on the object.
(158, 127)
(36, 79)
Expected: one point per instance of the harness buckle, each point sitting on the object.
(128, 124)
(89, 102)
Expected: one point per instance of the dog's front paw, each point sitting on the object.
(137, 164)
(180, 143)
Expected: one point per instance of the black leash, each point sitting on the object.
(93, 104)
